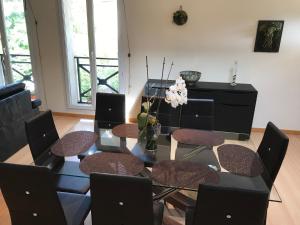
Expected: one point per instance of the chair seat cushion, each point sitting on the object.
(72, 184)
(76, 207)
(158, 211)
(70, 168)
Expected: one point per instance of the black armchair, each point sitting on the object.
(16, 107)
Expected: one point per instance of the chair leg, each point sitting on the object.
(266, 219)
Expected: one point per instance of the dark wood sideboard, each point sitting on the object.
(234, 105)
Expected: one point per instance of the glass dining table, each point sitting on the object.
(184, 158)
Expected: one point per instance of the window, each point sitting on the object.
(90, 32)
(15, 54)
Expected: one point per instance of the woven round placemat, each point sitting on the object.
(198, 137)
(112, 163)
(240, 160)
(128, 130)
(74, 143)
(183, 174)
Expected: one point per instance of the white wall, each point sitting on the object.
(217, 33)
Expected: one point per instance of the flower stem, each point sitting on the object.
(161, 86)
(147, 68)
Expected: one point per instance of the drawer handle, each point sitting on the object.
(238, 92)
(201, 90)
(236, 105)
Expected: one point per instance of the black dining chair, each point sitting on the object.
(31, 197)
(123, 200)
(227, 205)
(110, 110)
(272, 150)
(198, 114)
(41, 135)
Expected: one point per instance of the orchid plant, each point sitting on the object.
(148, 124)
(177, 93)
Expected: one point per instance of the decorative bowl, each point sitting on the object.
(190, 77)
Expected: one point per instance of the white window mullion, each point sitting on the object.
(71, 92)
(2, 81)
(123, 48)
(92, 48)
(7, 65)
(33, 42)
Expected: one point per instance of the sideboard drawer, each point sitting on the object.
(233, 118)
(169, 119)
(240, 98)
(198, 107)
(197, 122)
(202, 94)
(164, 107)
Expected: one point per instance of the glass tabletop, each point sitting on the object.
(173, 164)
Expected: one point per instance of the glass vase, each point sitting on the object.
(149, 136)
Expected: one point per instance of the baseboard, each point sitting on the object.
(132, 120)
(77, 115)
(258, 130)
(262, 130)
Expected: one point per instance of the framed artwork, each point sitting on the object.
(268, 36)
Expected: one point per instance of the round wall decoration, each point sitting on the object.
(180, 17)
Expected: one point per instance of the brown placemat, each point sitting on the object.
(183, 174)
(74, 143)
(112, 163)
(126, 130)
(198, 137)
(240, 160)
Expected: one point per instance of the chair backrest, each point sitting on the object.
(272, 150)
(41, 135)
(198, 114)
(121, 200)
(30, 195)
(11, 89)
(223, 205)
(110, 109)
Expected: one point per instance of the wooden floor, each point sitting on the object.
(287, 183)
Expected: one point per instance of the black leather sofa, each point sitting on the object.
(15, 108)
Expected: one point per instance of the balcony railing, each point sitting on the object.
(107, 77)
(107, 74)
(21, 68)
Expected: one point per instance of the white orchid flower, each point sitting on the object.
(177, 93)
